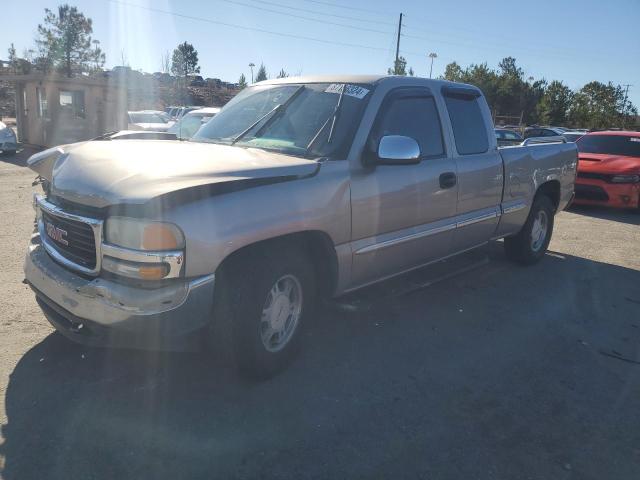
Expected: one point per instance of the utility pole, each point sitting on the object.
(395, 65)
(432, 56)
(251, 65)
(624, 104)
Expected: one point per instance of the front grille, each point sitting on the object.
(595, 176)
(591, 192)
(72, 239)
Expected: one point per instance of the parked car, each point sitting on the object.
(178, 112)
(573, 135)
(197, 81)
(8, 140)
(507, 137)
(136, 135)
(299, 189)
(149, 120)
(609, 169)
(188, 125)
(536, 131)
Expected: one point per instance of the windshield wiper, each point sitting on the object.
(333, 118)
(276, 111)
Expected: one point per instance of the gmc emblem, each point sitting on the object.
(56, 233)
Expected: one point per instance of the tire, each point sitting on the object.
(531, 243)
(267, 323)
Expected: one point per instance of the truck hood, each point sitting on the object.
(104, 173)
(603, 163)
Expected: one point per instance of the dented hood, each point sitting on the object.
(105, 173)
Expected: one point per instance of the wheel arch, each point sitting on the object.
(316, 244)
(550, 189)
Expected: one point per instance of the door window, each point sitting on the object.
(511, 136)
(415, 117)
(43, 109)
(72, 102)
(468, 124)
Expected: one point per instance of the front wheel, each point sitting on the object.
(273, 297)
(530, 244)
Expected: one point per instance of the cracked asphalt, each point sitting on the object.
(501, 372)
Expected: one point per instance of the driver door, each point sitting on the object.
(403, 215)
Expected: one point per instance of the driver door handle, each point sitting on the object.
(448, 180)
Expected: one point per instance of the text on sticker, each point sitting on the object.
(351, 90)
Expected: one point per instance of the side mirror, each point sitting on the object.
(397, 150)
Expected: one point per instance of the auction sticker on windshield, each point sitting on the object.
(351, 90)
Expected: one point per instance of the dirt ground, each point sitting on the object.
(502, 372)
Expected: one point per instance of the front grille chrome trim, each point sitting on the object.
(96, 226)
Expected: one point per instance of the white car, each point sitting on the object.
(149, 120)
(8, 140)
(187, 126)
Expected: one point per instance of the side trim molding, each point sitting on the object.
(407, 238)
(513, 208)
(431, 231)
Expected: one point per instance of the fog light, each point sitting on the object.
(140, 271)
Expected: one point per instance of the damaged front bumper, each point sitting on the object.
(102, 312)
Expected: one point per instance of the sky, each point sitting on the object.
(575, 41)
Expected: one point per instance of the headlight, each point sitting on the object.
(143, 234)
(625, 179)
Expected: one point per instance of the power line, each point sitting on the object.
(500, 38)
(293, 15)
(335, 15)
(488, 47)
(346, 7)
(243, 27)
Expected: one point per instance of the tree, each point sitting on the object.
(453, 72)
(508, 68)
(165, 63)
(242, 82)
(16, 64)
(599, 105)
(64, 41)
(13, 58)
(282, 73)
(185, 60)
(262, 73)
(554, 104)
(399, 67)
(97, 56)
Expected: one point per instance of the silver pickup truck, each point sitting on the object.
(298, 189)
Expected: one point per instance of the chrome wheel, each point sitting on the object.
(281, 313)
(539, 230)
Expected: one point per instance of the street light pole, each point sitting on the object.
(432, 56)
(251, 65)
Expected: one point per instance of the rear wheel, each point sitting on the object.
(530, 244)
(272, 296)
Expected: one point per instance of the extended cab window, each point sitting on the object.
(415, 117)
(468, 124)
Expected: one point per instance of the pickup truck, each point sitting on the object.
(300, 189)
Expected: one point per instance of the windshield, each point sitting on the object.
(292, 127)
(188, 125)
(610, 145)
(572, 137)
(146, 118)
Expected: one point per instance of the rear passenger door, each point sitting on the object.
(479, 166)
(403, 215)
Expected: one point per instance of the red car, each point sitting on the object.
(609, 169)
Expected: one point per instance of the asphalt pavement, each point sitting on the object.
(501, 372)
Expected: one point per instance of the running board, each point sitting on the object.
(365, 299)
